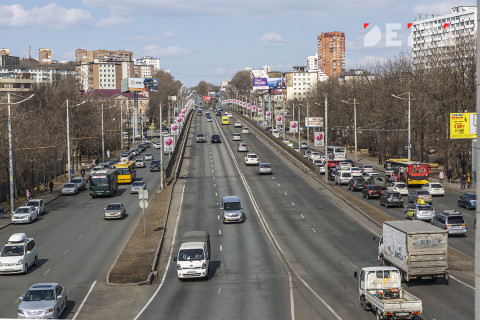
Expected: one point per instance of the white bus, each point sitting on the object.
(337, 153)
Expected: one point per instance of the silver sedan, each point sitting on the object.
(137, 186)
(115, 211)
(70, 188)
(264, 168)
(43, 301)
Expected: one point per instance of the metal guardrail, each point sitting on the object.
(179, 148)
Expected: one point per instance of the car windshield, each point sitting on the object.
(346, 174)
(423, 193)
(114, 206)
(156, 162)
(395, 195)
(455, 220)
(76, 180)
(123, 170)
(375, 188)
(200, 135)
(139, 160)
(148, 154)
(264, 165)
(401, 185)
(425, 208)
(39, 295)
(99, 181)
(367, 167)
(232, 206)
(252, 156)
(35, 203)
(22, 210)
(435, 185)
(190, 254)
(137, 184)
(12, 251)
(69, 185)
(473, 196)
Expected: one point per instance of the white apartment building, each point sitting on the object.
(300, 81)
(312, 63)
(442, 32)
(149, 61)
(39, 75)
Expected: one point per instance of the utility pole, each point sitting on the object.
(103, 139)
(409, 98)
(161, 149)
(355, 102)
(477, 182)
(325, 134)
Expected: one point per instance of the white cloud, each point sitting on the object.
(174, 33)
(172, 51)
(272, 39)
(113, 21)
(50, 16)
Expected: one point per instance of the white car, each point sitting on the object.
(157, 145)
(314, 155)
(237, 124)
(139, 163)
(251, 159)
(25, 214)
(355, 171)
(245, 130)
(342, 177)
(366, 168)
(434, 188)
(399, 187)
(367, 175)
(237, 137)
(148, 156)
(37, 203)
(18, 254)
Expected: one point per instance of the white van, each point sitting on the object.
(18, 254)
(343, 177)
(193, 258)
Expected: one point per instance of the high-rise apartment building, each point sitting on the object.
(149, 61)
(44, 55)
(331, 53)
(312, 63)
(436, 38)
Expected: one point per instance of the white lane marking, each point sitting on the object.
(442, 205)
(218, 217)
(45, 273)
(293, 204)
(220, 232)
(353, 265)
(212, 170)
(273, 178)
(66, 251)
(285, 193)
(168, 263)
(79, 238)
(214, 185)
(15, 302)
(278, 184)
(84, 300)
(466, 285)
(314, 231)
(216, 194)
(219, 291)
(221, 248)
(213, 177)
(301, 215)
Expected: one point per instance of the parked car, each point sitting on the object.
(245, 130)
(391, 199)
(242, 147)
(371, 191)
(18, 254)
(399, 187)
(468, 201)
(39, 204)
(356, 183)
(137, 185)
(43, 301)
(80, 183)
(200, 138)
(155, 165)
(115, 210)
(215, 138)
(264, 168)
(434, 188)
(419, 211)
(70, 188)
(25, 214)
(148, 156)
(237, 137)
(251, 159)
(139, 163)
(416, 195)
(452, 221)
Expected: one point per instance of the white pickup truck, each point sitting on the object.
(380, 290)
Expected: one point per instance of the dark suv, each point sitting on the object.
(372, 191)
(356, 184)
(155, 165)
(215, 138)
(391, 199)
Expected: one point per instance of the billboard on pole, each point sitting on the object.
(319, 139)
(260, 84)
(463, 125)
(313, 122)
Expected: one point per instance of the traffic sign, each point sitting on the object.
(143, 194)
(143, 204)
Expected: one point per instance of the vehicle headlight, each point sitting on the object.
(50, 310)
(19, 262)
(179, 267)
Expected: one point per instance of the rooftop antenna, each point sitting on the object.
(29, 52)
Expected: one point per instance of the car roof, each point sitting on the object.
(231, 199)
(43, 286)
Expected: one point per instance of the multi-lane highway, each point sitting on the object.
(76, 245)
(293, 257)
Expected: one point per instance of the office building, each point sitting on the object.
(149, 61)
(301, 81)
(331, 53)
(312, 63)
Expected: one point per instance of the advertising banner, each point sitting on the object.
(133, 84)
(174, 129)
(260, 84)
(279, 120)
(179, 120)
(319, 139)
(260, 111)
(277, 83)
(206, 98)
(268, 115)
(168, 144)
(463, 125)
(314, 122)
(293, 126)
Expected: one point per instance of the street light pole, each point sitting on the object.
(409, 147)
(121, 127)
(68, 138)
(161, 149)
(103, 139)
(354, 122)
(325, 137)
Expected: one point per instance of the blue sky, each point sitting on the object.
(211, 39)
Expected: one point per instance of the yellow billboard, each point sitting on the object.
(463, 125)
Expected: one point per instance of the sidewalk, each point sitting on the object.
(366, 159)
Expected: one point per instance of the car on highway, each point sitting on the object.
(399, 187)
(356, 184)
(371, 191)
(467, 200)
(237, 124)
(332, 163)
(314, 155)
(345, 165)
(218, 113)
(434, 188)
(105, 165)
(43, 301)
(137, 185)
(148, 156)
(245, 130)
(306, 154)
(355, 171)
(242, 147)
(367, 168)
(114, 210)
(303, 145)
(237, 137)
(264, 168)
(420, 211)
(318, 163)
(39, 204)
(452, 221)
(199, 113)
(251, 159)
(200, 138)
(391, 199)
(97, 168)
(215, 138)
(125, 156)
(18, 254)
(209, 119)
(25, 214)
(155, 165)
(232, 209)
(416, 195)
(69, 188)
(342, 177)
(140, 163)
(331, 173)
(157, 145)
(80, 183)
(378, 181)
